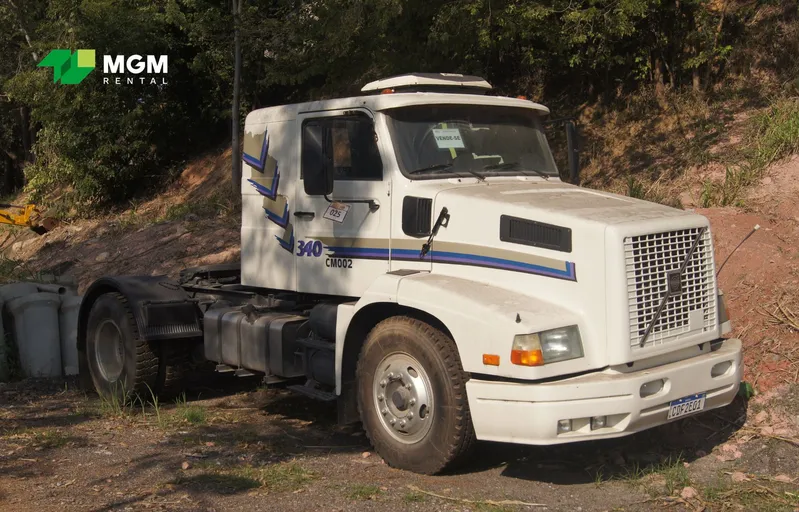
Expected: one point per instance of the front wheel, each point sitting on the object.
(412, 396)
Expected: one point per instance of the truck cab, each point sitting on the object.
(413, 254)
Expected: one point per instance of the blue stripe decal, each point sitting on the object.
(259, 163)
(280, 221)
(456, 259)
(287, 244)
(271, 193)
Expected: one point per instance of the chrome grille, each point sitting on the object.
(649, 259)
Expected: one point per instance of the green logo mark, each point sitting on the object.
(69, 67)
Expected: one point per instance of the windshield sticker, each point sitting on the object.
(448, 138)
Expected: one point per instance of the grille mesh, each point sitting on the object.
(649, 259)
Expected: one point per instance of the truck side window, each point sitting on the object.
(346, 144)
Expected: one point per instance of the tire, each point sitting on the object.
(401, 352)
(173, 369)
(120, 363)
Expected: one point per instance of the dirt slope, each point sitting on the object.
(194, 222)
(761, 279)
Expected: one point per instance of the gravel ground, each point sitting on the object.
(245, 447)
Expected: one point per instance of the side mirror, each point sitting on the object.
(318, 180)
(573, 152)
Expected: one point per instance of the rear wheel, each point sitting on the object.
(412, 396)
(174, 368)
(119, 362)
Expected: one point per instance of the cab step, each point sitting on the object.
(312, 392)
(238, 372)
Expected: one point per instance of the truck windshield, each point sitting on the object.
(443, 141)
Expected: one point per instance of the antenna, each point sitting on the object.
(757, 226)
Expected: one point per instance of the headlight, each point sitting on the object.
(561, 344)
(550, 346)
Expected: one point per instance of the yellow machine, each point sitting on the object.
(28, 215)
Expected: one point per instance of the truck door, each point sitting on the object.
(342, 240)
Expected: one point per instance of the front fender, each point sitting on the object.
(483, 319)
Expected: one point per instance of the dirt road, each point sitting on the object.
(244, 447)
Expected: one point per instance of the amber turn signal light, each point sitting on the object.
(491, 359)
(527, 357)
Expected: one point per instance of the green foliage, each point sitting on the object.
(190, 413)
(94, 145)
(773, 134)
(364, 492)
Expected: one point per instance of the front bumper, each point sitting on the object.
(529, 413)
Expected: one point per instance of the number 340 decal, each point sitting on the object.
(309, 248)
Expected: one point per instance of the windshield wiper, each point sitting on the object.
(436, 167)
(441, 167)
(512, 165)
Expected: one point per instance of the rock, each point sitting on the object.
(761, 417)
(729, 452)
(185, 465)
(365, 454)
(192, 217)
(210, 443)
(688, 493)
(784, 479)
(103, 256)
(739, 477)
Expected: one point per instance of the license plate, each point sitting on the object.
(686, 405)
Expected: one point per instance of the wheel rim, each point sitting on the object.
(403, 398)
(109, 351)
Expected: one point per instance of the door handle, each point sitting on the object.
(305, 215)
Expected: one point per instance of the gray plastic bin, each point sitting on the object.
(5, 368)
(14, 290)
(7, 293)
(68, 329)
(35, 319)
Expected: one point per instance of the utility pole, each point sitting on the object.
(236, 6)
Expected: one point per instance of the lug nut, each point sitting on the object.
(384, 411)
(408, 386)
(410, 416)
(381, 397)
(383, 383)
(402, 423)
(412, 401)
(392, 421)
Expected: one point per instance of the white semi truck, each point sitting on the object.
(413, 254)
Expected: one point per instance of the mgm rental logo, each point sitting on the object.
(72, 67)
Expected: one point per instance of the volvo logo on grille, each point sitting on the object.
(675, 282)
